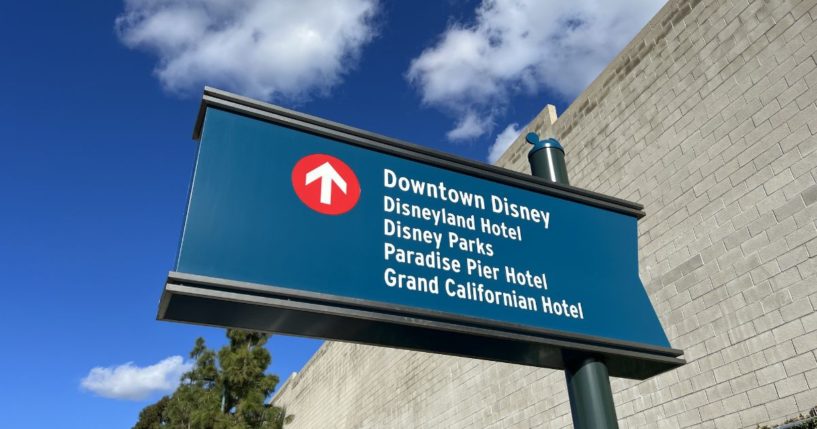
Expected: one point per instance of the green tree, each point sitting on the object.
(223, 390)
(152, 416)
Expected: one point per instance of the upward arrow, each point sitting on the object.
(327, 174)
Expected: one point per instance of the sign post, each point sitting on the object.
(588, 381)
(303, 226)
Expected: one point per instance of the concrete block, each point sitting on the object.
(768, 321)
(800, 184)
(801, 236)
(771, 374)
(800, 364)
(784, 407)
(806, 400)
(789, 209)
(800, 309)
(793, 258)
(791, 385)
(788, 331)
(778, 181)
(806, 342)
(762, 395)
(811, 379)
(809, 319)
(752, 416)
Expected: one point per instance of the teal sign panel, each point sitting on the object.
(281, 207)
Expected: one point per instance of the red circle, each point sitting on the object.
(319, 182)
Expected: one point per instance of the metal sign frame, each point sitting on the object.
(221, 302)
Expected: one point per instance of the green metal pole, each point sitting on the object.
(588, 382)
(588, 387)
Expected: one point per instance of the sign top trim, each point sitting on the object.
(224, 100)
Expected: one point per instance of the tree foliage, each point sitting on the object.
(224, 390)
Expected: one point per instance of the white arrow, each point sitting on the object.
(328, 175)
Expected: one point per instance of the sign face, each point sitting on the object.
(297, 214)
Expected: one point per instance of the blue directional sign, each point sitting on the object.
(290, 208)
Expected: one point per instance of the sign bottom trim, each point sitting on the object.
(217, 302)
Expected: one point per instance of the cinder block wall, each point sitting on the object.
(708, 118)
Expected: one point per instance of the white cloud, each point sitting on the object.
(503, 142)
(267, 49)
(469, 127)
(134, 383)
(524, 46)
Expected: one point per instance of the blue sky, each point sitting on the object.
(96, 113)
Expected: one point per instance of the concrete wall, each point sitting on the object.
(708, 118)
